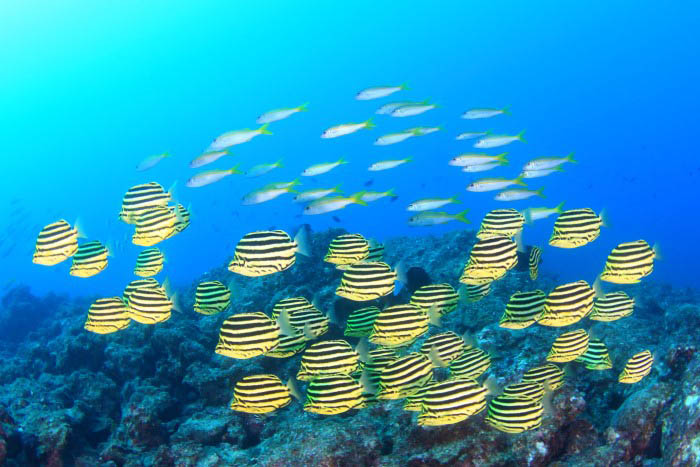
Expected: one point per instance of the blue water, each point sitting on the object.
(89, 89)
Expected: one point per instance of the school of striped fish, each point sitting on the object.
(442, 379)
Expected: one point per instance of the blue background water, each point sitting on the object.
(87, 90)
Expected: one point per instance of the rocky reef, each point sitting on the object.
(159, 395)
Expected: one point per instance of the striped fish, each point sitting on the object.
(90, 259)
(347, 249)
(442, 298)
(376, 252)
(637, 367)
(569, 346)
(596, 356)
(489, 260)
(629, 262)
(56, 242)
(443, 348)
(361, 321)
(334, 357)
(414, 402)
(366, 281)
(149, 283)
(471, 364)
(534, 261)
(211, 297)
(267, 252)
(549, 375)
(523, 309)
(183, 218)
(107, 315)
(476, 292)
(399, 326)
(247, 335)
(149, 305)
(333, 394)
(290, 305)
(154, 226)
(567, 304)
(141, 198)
(451, 402)
(149, 262)
(258, 394)
(303, 316)
(575, 228)
(514, 414)
(288, 346)
(372, 368)
(500, 223)
(612, 306)
(404, 376)
(530, 390)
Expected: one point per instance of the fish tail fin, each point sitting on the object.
(462, 216)
(518, 238)
(295, 182)
(506, 110)
(111, 250)
(658, 252)
(559, 168)
(357, 198)
(336, 189)
(234, 170)
(455, 200)
(303, 241)
(401, 272)
(570, 158)
(604, 218)
(278, 163)
(369, 124)
(404, 86)
(560, 207)
(598, 287)
(434, 356)
(492, 387)
(434, 317)
(78, 226)
(390, 193)
(547, 399)
(172, 190)
(416, 132)
(527, 214)
(519, 181)
(520, 136)
(367, 384)
(362, 350)
(263, 130)
(177, 305)
(502, 158)
(539, 193)
(303, 107)
(293, 388)
(342, 161)
(408, 159)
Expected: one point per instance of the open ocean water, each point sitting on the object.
(88, 90)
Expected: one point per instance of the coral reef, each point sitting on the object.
(158, 395)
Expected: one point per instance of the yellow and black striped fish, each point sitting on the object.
(149, 262)
(476, 292)
(596, 356)
(141, 198)
(347, 249)
(629, 262)
(452, 401)
(414, 402)
(376, 252)
(267, 252)
(149, 305)
(334, 357)
(514, 414)
(303, 316)
(530, 390)
(575, 228)
(637, 367)
(443, 348)
(523, 309)
(500, 223)
(183, 218)
(471, 364)
(612, 306)
(154, 226)
(260, 394)
(211, 297)
(288, 346)
(569, 346)
(290, 305)
(534, 261)
(567, 304)
(373, 366)
(550, 375)
(366, 281)
(442, 298)
(489, 260)
(247, 335)
(56, 242)
(404, 376)
(333, 394)
(149, 283)
(107, 315)
(399, 326)
(361, 321)
(89, 260)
